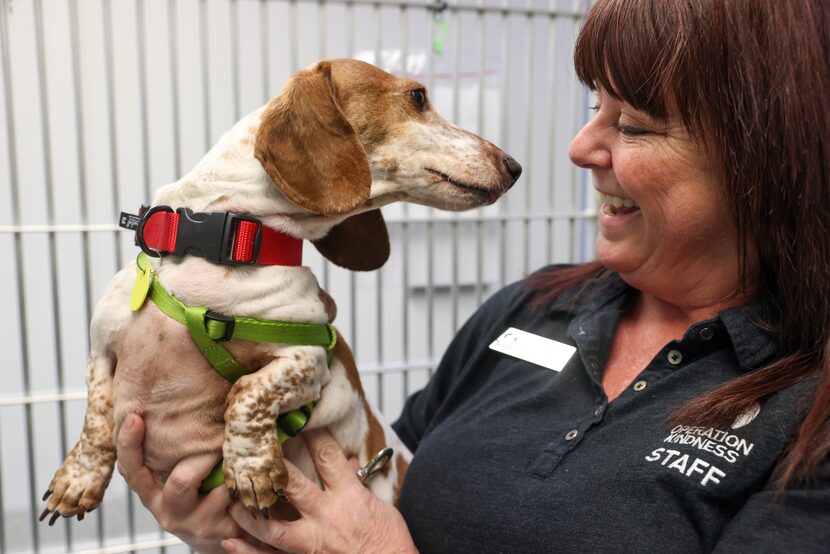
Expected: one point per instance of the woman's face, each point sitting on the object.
(663, 221)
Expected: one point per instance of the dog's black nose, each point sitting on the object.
(513, 167)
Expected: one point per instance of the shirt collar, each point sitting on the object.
(753, 345)
(581, 300)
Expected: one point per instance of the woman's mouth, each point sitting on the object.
(616, 205)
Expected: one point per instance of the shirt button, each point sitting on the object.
(675, 357)
(598, 410)
(571, 435)
(640, 385)
(706, 333)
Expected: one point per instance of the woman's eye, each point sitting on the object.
(630, 130)
(419, 96)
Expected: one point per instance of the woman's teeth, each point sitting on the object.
(614, 204)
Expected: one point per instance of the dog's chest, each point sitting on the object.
(275, 293)
(162, 375)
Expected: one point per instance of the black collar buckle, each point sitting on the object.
(211, 236)
(207, 235)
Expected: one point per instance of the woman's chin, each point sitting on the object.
(612, 254)
(617, 257)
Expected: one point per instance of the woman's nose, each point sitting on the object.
(588, 149)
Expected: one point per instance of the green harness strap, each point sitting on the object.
(207, 329)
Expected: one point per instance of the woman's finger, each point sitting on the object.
(130, 455)
(332, 465)
(290, 536)
(241, 546)
(212, 510)
(303, 493)
(181, 490)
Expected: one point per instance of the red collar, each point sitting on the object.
(221, 237)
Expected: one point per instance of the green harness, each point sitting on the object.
(209, 329)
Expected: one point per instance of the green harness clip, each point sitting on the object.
(208, 329)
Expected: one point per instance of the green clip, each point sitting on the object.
(440, 33)
(141, 288)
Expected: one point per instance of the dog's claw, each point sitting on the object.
(281, 495)
(266, 513)
(254, 513)
(233, 494)
(44, 514)
(46, 495)
(81, 513)
(54, 518)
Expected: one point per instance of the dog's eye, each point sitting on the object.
(419, 96)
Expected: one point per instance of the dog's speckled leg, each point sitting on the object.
(78, 486)
(253, 462)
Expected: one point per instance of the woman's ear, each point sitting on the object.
(309, 149)
(358, 243)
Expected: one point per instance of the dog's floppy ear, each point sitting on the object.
(359, 243)
(309, 149)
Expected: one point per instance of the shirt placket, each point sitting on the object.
(579, 422)
(588, 335)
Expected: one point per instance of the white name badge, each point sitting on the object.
(533, 348)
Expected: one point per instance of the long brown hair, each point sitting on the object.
(751, 80)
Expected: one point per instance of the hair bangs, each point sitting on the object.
(636, 52)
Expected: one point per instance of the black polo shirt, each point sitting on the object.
(513, 457)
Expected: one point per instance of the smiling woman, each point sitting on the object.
(666, 226)
(704, 121)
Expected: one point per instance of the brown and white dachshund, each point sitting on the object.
(342, 139)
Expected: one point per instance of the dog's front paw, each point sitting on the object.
(78, 486)
(255, 474)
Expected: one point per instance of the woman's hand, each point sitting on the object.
(201, 522)
(345, 517)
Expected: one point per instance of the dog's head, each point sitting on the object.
(346, 137)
